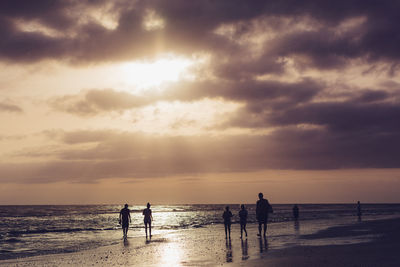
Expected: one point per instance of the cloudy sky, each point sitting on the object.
(199, 101)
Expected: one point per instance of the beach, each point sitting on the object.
(367, 243)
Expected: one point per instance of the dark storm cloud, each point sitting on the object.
(189, 28)
(366, 110)
(134, 155)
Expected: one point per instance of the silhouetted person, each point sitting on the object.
(295, 212)
(148, 217)
(262, 210)
(359, 212)
(125, 219)
(243, 220)
(227, 221)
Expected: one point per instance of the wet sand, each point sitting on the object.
(207, 247)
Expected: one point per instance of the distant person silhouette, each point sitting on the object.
(227, 222)
(262, 209)
(125, 219)
(148, 217)
(296, 212)
(359, 211)
(243, 220)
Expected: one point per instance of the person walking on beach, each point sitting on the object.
(243, 220)
(359, 212)
(125, 219)
(262, 209)
(295, 212)
(148, 217)
(227, 222)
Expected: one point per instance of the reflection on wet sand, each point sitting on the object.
(229, 256)
(263, 245)
(171, 253)
(126, 242)
(296, 227)
(245, 253)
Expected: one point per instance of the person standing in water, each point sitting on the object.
(125, 219)
(148, 217)
(295, 212)
(243, 220)
(262, 210)
(359, 212)
(227, 222)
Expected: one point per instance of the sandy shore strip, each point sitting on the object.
(382, 250)
(335, 246)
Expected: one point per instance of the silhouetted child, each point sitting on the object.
(148, 217)
(295, 212)
(227, 221)
(243, 220)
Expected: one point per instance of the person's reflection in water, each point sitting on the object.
(359, 211)
(296, 227)
(229, 256)
(263, 245)
(126, 242)
(245, 254)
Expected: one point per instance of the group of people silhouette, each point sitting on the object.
(263, 209)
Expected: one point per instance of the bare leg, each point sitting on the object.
(226, 231)
(259, 229)
(150, 229)
(244, 228)
(229, 230)
(241, 230)
(145, 228)
(265, 229)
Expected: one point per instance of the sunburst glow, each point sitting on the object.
(144, 74)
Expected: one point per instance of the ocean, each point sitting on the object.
(37, 230)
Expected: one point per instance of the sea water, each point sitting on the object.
(37, 230)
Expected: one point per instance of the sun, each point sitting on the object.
(146, 74)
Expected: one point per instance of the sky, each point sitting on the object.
(199, 101)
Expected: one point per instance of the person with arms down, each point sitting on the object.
(125, 219)
(295, 212)
(243, 220)
(263, 208)
(227, 222)
(148, 217)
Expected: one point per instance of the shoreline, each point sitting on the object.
(382, 250)
(207, 247)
